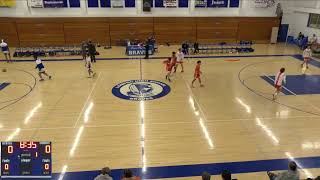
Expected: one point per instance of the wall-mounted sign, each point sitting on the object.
(170, 3)
(201, 3)
(53, 3)
(211, 3)
(264, 3)
(217, 3)
(117, 3)
(7, 3)
(35, 3)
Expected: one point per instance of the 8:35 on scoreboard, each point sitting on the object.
(26, 159)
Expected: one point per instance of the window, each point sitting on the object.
(314, 21)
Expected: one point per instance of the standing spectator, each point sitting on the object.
(300, 36)
(5, 50)
(206, 176)
(185, 47)
(105, 174)
(153, 40)
(128, 175)
(226, 175)
(313, 39)
(92, 51)
(291, 174)
(196, 47)
(147, 47)
(84, 49)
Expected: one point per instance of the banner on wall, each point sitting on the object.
(217, 3)
(7, 3)
(170, 3)
(200, 3)
(264, 3)
(117, 3)
(146, 5)
(53, 3)
(35, 3)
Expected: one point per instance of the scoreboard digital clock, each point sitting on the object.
(26, 159)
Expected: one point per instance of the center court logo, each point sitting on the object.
(141, 90)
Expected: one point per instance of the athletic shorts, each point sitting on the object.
(306, 58)
(277, 87)
(196, 76)
(5, 52)
(41, 70)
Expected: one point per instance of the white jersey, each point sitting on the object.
(88, 62)
(4, 47)
(38, 61)
(180, 56)
(307, 53)
(313, 39)
(279, 79)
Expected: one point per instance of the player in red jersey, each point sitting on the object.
(197, 73)
(168, 68)
(174, 61)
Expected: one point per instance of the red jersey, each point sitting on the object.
(173, 60)
(168, 64)
(197, 70)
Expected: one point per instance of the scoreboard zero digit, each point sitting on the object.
(26, 159)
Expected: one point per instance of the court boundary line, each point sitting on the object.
(208, 120)
(12, 102)
(87, 100)
(168, 166)
(160, 57)
(25, 84)
(269, 99)
(282, 85)
(191, 170)
(205, 133)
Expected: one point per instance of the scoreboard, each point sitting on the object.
(27, 159)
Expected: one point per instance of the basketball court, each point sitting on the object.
(231, 123)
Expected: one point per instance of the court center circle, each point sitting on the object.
(141, 90)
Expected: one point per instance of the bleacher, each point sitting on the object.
(47, 51)
(221, 48)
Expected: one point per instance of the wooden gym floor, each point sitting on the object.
(231, 119)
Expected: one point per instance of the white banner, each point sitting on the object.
(170, 3)
(35, 3)
(117, 3)
(264, 3)
(200, 3)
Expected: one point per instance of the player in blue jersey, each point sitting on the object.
(5, 50)
(41, 68)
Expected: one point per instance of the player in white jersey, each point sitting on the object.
(278, 81)
(40, 68)
(5, 50)
(306, 56)
(180, 57)
(89, 66)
